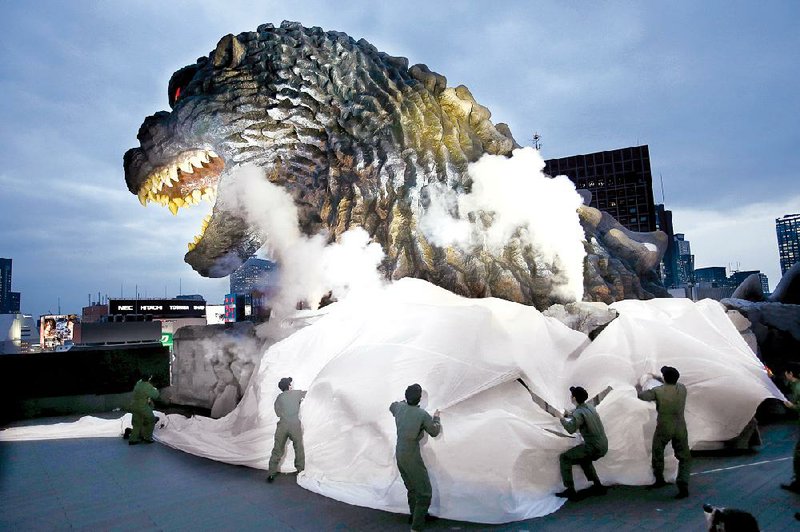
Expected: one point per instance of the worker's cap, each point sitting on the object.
(578, 393)
(413, 394)
(285, 383)
(670, 374)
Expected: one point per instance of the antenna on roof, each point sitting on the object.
(661, 177)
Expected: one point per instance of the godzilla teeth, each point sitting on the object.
(203, 227)
(158, 187)
(168, 175)
(186, 167)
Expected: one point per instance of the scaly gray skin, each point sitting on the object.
(355, 136)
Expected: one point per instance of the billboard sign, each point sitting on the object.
(166, 339)
(238, 307)
(159, 308)
(230, 308)
(56, 329)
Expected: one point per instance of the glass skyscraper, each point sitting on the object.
(788, 229)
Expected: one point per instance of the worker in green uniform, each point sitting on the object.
(793, 403)
(670, 400)
(287, 408)
(143, 420)
(412, 421)
(595, 444)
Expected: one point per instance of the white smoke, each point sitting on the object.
(519, 199)
(309, 267)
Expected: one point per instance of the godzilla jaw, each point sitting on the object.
(186, 181)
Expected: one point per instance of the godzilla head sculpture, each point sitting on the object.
(354, 136)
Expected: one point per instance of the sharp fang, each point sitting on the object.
(172, 172)
(196, 162)
(143, 197)
(186, 167)
(179, 202)
(192, 245)
(203, 157)
(212, 153)
(173, 208)
(196, 195)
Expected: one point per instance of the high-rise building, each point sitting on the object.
(255, 275)
(619, 180)
(684, 261)
(668, 264)
(9, 301)
(738, 278)
(253, 286)
(713, 282)
(714, 275)
(788, 229)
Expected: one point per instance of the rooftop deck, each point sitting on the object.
(102, 483)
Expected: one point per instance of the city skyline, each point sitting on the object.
(710, 88)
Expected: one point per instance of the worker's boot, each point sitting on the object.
(683, 490)
(568, 493)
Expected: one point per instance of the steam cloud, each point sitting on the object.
(520, 199)
(309, 266)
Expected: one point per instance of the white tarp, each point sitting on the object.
(496, 459)
(85, 427)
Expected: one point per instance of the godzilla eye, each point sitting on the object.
(179, 82)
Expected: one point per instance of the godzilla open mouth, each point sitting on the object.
(191, 178)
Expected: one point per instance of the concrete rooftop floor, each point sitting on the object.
(105, 484)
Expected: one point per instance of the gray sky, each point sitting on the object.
(711, 86)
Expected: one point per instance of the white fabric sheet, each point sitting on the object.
(496, 459)
(85, 427)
